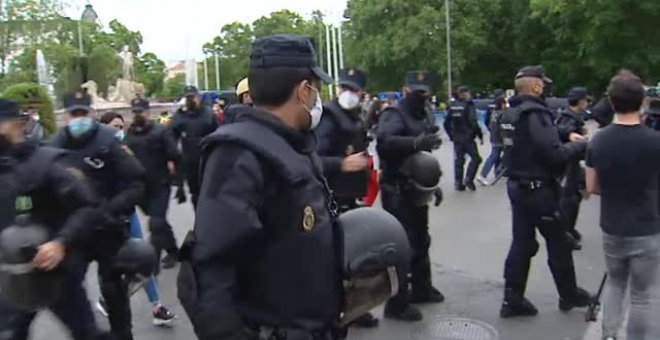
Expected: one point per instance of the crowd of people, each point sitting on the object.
(284, 238)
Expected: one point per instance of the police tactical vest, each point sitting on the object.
(94, 159)
(294, 281)
(351, 137)
(21, 185)
(149, 148)
(461, 124)
(516, 139)
(414, 127)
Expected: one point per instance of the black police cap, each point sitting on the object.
(533, 72)
(418, 80)
(9, 109)
(190, 90)
(78, 101)
(578, 93)
(353, 78)
(286, 50)
(139, 105)
(463, 89)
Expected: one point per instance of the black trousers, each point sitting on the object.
(462, 148)
(415, 221)
(73, 309)
(570, 208)
(538, 209)
(114, 289)
(155, 206)
(191, 172)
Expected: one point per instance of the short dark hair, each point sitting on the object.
(274, 86)
(626, 92)
(109, 116)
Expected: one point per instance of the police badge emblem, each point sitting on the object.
(308, 218)
(351, 72)
(421, 77)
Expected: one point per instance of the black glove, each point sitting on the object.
(438, 197)
(427, 142)
(180, 195)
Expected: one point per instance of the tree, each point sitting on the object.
(173, 87)
(30, 95)
(150, 71)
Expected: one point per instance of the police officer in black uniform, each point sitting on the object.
(155, 148)
(402, 132)
(535, 159)
(190, 124)
(342, 145)
(117, 179)
(37, 186)
(571, 120)
(266, 255)
(462, 126)
(342, 140)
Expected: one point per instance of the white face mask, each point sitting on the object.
(316, 111)
(349, 100)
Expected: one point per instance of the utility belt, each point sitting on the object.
(534, 184)
(277, 333)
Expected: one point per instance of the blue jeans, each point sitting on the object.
(635, 260)
(151, 287)
(493, 161)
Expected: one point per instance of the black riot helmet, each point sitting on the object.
(376, 258)
(21, 285)
(136, 259)
(423, 172)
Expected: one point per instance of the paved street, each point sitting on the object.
(471, 235)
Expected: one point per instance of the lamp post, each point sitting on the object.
(448, 27)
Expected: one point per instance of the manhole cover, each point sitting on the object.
(455, 329)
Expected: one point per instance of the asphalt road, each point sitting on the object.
(471, 235)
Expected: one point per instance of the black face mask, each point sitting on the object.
(416, 102)
(191, 104)
(140, 120)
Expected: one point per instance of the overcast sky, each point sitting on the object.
(177, 29)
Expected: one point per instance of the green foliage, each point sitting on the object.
(174, 86)
(150, 71)
(235, 40)
(30, 95)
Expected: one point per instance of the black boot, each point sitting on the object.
(366, 321)
(581, 298)
(432, 295)
(515, 304)
(470, 185)
(406, 312)
(459, 187)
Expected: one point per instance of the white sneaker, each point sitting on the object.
(482, 181)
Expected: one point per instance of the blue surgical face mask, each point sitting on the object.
(120, 135)
(79, 126)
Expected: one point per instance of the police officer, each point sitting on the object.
(37, 185)
(117, 179)
(652, 115)
(342, 145)
(402, 132)
(462, 127)
(190, 124)
(535, 159)
(266, 258)
(156, 150)
(569, 121)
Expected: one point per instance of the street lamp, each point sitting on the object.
(448, 27)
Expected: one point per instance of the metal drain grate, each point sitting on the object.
(455, 329)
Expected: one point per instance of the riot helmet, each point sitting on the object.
(376, 256)
(23, 286)
(136, 259)
(423, 173)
